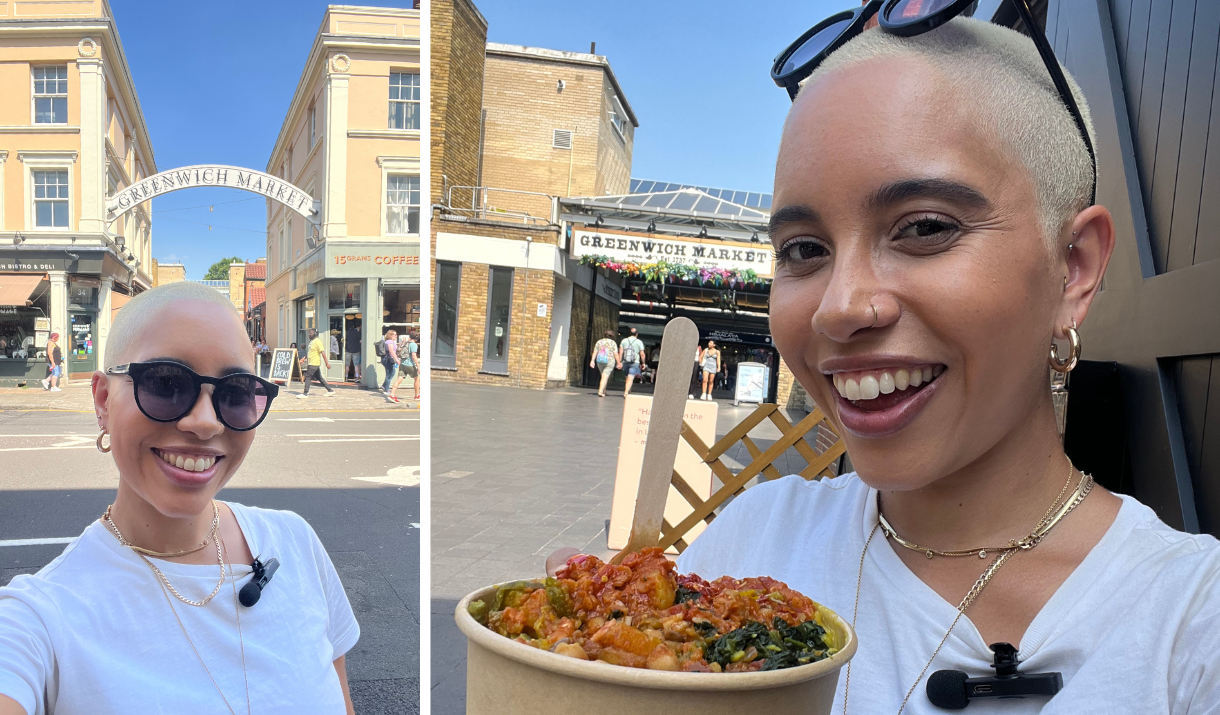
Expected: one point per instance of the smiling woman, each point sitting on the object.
(935, 233)
(141, 612)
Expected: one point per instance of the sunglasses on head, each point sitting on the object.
(167, 391)
(908, 18)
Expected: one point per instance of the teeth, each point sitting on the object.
(190, 464)
(870, 386)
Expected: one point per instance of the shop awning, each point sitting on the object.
(16, 288)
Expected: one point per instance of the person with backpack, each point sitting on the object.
(605, 355)
(388, 351)
(630, 355)
(55, 364)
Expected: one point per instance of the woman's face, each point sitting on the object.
(208, 339)
(914, 294)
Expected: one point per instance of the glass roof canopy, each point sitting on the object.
(753, 199)
(684, 211)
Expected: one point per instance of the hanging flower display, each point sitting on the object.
(681, 274)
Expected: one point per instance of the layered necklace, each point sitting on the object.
(1058, 509)
(226, 571)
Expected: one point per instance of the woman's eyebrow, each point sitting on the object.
(944, 189)
(791, 214)
(232, 371)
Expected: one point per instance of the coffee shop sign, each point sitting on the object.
(211, 175)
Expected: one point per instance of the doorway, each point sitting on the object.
(81, 358)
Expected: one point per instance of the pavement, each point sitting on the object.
(352, 474)
(517, 474)
(78, 397)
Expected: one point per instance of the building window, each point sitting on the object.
(51, 199)
(288, 242)
(448, 288)
(341, 296)
(51, 95)
(283, 250)
(618, 118)
(400, 310)
(282, 327)
(402, 204)
(404, 100)
(313, 124)
(499, 310)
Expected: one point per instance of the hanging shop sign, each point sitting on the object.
(732, 336)
(710, 253)
(211, 175)
(372, 260)
(605, 289)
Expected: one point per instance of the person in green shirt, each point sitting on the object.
(315, 358)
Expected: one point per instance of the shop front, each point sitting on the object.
(45, 292)
(352, 293)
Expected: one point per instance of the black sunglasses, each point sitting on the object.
(167, 391)
(908, 18)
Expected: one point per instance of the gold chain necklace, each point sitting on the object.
(161, 555)
(1026, 543)
(114, 529)
(240, 640)
(1082, 491)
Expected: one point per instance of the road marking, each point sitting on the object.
(37, 542)
(397, 476)
(362, 439)
(46, 449)
(347, 419)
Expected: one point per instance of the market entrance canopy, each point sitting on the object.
(212, 175)
(686, 211)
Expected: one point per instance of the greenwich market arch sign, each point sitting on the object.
(212, 175)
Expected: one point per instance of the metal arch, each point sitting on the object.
(213, 175)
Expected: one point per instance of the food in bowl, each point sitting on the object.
(641, 614)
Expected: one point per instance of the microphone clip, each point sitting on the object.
(953, 689)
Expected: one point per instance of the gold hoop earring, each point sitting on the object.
(1073, 351)
(100, 437)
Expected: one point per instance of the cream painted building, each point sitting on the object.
(71, 133)
(351, 139)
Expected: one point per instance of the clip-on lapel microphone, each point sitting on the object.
(953, 689)
(251, 592)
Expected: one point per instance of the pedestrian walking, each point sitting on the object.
(351, 350)
(390, 361)
(101, 628)
(406, 367)
(55, 364)
(630, 355)
(711, 367)
(315, 359)
(605, 356)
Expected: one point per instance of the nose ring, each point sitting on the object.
(876, 317)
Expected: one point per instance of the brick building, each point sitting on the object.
(248, 291)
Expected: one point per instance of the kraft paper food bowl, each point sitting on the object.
(504, 677)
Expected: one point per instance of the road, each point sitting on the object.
(352, 475)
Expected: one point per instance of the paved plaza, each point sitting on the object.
(517, 474)
(353, 475)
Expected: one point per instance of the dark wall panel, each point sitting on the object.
(1196, 117)
(1162, 187)
(1197, 381)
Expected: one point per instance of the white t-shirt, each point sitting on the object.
(92, 633)
(1135, 629)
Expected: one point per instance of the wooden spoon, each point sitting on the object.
(664, 430)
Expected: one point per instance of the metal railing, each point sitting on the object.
(480, 206)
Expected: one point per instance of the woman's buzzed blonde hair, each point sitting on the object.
(1001, 72)
(139, 312)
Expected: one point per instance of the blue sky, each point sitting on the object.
(215, 91)
(696, 75)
